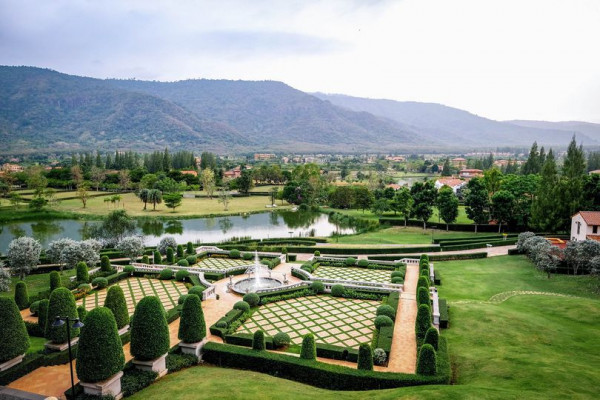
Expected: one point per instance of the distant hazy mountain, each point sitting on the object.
(452, 126)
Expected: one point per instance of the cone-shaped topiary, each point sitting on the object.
(54, 280)
(21, 295)
(251, 298)
(258, 342)
(423, 321)
(190, 248)
(15, 340)
(365, 357)
(100, 353)
(115, 302)
(62, 304)
(43, 314)
(83, 275)
(179, 250)
(145, 259)
(432, 337)
(197, 290)
(309, 348)
(149, 330)
(426, 364)
(423, 296)
(423, 282)
(170, 256)
(387, 310)
(157, 257)
(105, 264)
(192, 328)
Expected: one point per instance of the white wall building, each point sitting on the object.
(585, 225)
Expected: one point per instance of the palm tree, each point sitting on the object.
(144, 196)
(154, 196)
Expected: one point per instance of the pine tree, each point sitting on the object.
(544, 209)
(532, 165)
(571, 183)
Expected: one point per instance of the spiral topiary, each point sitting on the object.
(83, 275)
(258, 342)
(365, 357)
(43, 314)
(281, 339)
(251, 298)
(242, 306)
(15, 340)
(386, 309)
(54, 280)
(21, 295)
(100, 351)
(317, 287)
(182, 274)
(105, 264)
(115, 302)
(149, 330)
(427, 361)
(192, 328)
(309, 348)
(61, 304)
(432, 337)
(338, 290)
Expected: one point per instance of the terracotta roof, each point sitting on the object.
(590, 217)
(452, 182)
(593, 237)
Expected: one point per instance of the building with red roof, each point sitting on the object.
(585, 225)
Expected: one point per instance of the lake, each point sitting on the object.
(278, 224)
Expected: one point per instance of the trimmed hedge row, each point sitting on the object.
(451, 227)
(384, 338)
(480, 245)
(436, 257)
(327, 376)
(351, 251)
(218, 330)
(444, 314)
(449, 242)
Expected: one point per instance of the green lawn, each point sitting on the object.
(36, 344)
(527, 347)
(400, 235)
(37, 282)
(367, 214)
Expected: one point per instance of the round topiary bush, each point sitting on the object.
(100, 351)
(54, 280)
(424, 272)
(190, 248)
(115, 302)
(21, 295)
(338, 290)
(386, 309)
(105, 264)
(182, 274)
(432, 337)
(363, 263)
(383, 320)
(423, 296)
(317, 287)
(423, 322)
(34, 308)
(309, 348)
(170, 255)
(427, 361)
(15, 340)
(166, 274)
(192, 328)
(397, 279)
(157, 257)
(84, 288)
(234, 253)
(130, 269)
(43, 314)
(221, 324)
(398, 274)
(197, 290)
(281, 339)
(241, 305)
(258, 342)
(251, 298)
(81, 312)
(183, 263)
(192, 259)
(350, 261)
(307, 267)
(247, 256)
(365, 357)
(166, 242)
(100, 282)
(149, 330)
(62, 303)
(145, 259)
(379, 356)
(83, 275)
(179, 251)
(317, 253)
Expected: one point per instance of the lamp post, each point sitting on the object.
(60, 321)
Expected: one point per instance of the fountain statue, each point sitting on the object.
(256, 282)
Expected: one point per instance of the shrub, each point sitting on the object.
(182, 274)
(309, 348)
(423, 282)
(350, 261)
(258, 341)
(100, 351)
(427, 361)
(422, 296)
(284, 250)
(21, 295)
(190, 248)
(192, 259)
(307, 267)
(177, 362)
(251, 298)
(192, 328)
(338, 290)
(281, 339)
(383, 320)
(398, 274)
(82, 272)
(54, 280)
(84, 288)
(145, 259)
(183, 263)
(81, 312)
(423, 258)
(135, 380)
(221, 324)
(387, 310)
(424, 272)
(181, 299)
(317, 253)
(234, 253)
(170, 256)
(34, 307)
(166, 242)
(432, 337)
(157, 257)
(363, 263)
(379, 356)
(241, 305)
(43, 315)
(247, 256)
(62, 303)
(15, 340)
(105, 264)
(115, 302)
(365, 357)
(130, 269)
(423, 322)
(149, 330)
(100, 282)
(397, 279)
(317, 287)
(197, 290)
(166, 274)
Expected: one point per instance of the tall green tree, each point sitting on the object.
(154, 197)
(447, 204)
(532, 165)
(477, 202)
(571, 183)
(172, 200)
(503, 207)
(447, 169)
(363, 198)
(402, 203)
(545, 211)
(424, 196)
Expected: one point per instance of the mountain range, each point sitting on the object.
(44, 110)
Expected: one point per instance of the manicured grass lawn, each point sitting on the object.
(461, 219)
(37, 283)
(401, 235)
(527, 347)
(36, 344)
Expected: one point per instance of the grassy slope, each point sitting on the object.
(461, 219)
(527, 347)
(400, 235)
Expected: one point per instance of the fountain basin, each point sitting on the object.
(251, 285)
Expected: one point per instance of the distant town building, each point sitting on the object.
(190, 172)
(455, 184)
(395, 158)
(394, 186)
(233, 173)
(584, 225)
(470, 173)
(458, 162)
(263, 156)
(12, 168)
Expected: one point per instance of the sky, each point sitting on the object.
(502, 59)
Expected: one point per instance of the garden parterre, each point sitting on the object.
(353, 274)
(218, 263)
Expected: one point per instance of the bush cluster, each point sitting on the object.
(234, 254)
(423, 321)
(191, 259)
(281, 339)
(197, 290)
(387, 310)
(182, 274)
(241, 305)
(337, 290)
(383, 320)
(183, 263)
(166, 274)
(350, 261)
(317, 287)
(379, 356)
(423, 296)
(100, 282)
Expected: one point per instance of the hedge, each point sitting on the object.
(252, 299)
(227, 319)
(192, 328)
(115, 302)
(21, 295)
(367, 250)
(281, 339)
(365, 357)
(182, 274)
(183, 263)
(423, 296)
(480, 245)
(247, 340)
(197, 290)
(42, 316)
(166, 274)
(327, 376)
(258, 341)
(100, 282)
(437, 279)
(100, 351)
(444, 315)
(384, 338)
(426, 362)
(15, 340)
(62, 303)
(451, 227)
(432, 337)
(435, 257)
(149, 330)
(423, 321)
(387, 310)
(393, 300)
(191, 259)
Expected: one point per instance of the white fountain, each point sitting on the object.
(252, 284)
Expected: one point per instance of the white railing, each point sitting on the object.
(431, 274)
(328, 282)
(281, 288)
(436, 306)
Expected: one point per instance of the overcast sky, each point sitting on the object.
(503, 59)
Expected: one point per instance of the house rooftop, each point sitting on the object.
(590, 217)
